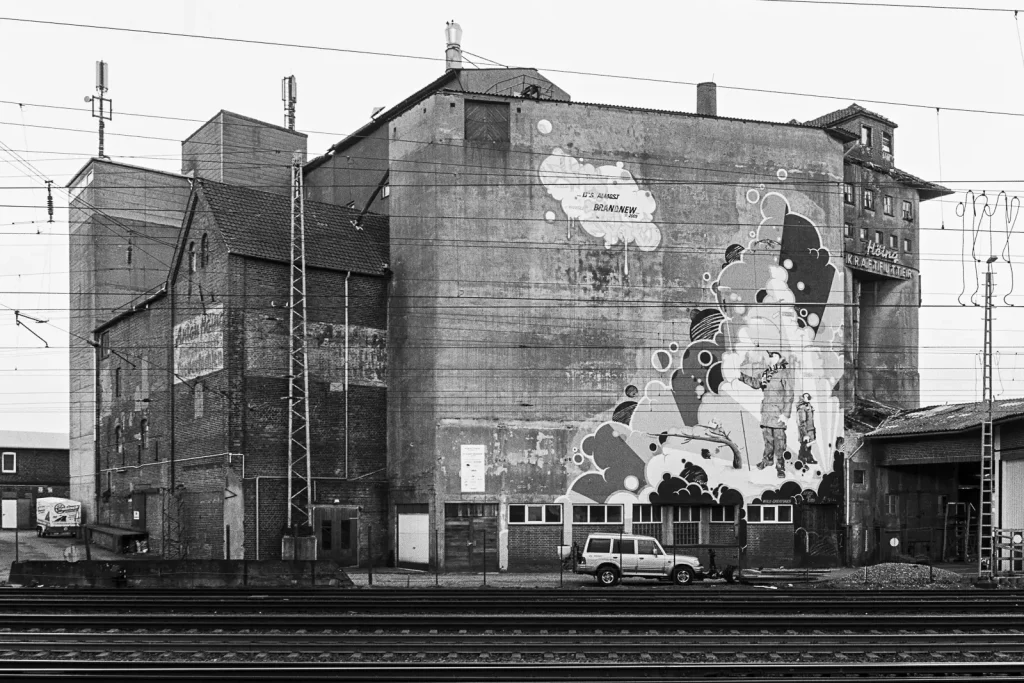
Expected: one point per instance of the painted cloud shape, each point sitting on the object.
(605, 200)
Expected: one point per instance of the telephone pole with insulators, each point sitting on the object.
(102, 107)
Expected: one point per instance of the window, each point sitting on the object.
(848, 193)
(597, 514)
(105, 345)
(646, 547)
(878, 236)
(847, 230)
(864, 234)
(204, 250)
(645, 512)
(385, 191)
(887, 205)
(906, 245)
(892, 504)
(908, 210)
(887, 142)
(687, 514)
(470, 510)
(117, 382)
(893, 241)
(687, 526)
(723, 513)
(10, 462)
(599, 545)
(487, 124)
(534, 514)
(191, 257)
(869, 199)
(865, 136)
(119, 443)
(770, 514)
(144, 432)
(625, 546)
(858, 477)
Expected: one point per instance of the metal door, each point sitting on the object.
(337, 533)
(471, 537)
(139, 511)
(414, 540)
(9, 514)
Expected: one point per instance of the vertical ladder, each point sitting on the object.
(299, 465)
(987, 515)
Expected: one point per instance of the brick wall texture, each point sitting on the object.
(534, 547)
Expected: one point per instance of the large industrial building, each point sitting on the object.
(530, 319)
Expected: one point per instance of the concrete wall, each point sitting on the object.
(519, 311)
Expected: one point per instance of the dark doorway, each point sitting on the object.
(337, 533)
(139, 511)
(817, 536)
(470, 537)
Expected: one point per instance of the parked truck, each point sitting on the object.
(57, 515)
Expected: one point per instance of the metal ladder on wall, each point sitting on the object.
(988, 485)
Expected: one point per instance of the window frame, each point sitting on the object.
(868, 199)
(894, 241)
(888, 205)
(860, 476)
(849, 194)
(590, 520)
(878, 237)
(908, 245)
(13, 469)
(892, 503)
(104, 344)
(691, 510)
(650, 511)
(727, 511)
(887, 142)
(848, 230)
(545, 509)
(908, 210)
(144, 432)
(864, 234)
(192, 257)
(866, 136)
(775, 508)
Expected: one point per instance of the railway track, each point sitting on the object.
(508, 634)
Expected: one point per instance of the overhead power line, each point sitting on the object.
(574, 72)
(891, 5)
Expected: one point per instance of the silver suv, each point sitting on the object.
(610, 557)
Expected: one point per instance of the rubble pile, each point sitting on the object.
(900, 575)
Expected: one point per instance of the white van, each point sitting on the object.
(610, 557)
(57, 515)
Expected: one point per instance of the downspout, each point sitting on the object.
(348, 274)
(96, 351)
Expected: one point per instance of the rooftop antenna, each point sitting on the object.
(102, 107)
(289, 94)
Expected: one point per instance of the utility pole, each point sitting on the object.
(989, 500)
(289, 94)
(102, 108)
(299, 465)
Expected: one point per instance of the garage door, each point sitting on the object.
(413, 539)
(9, 514)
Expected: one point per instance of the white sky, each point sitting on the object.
(869, 55)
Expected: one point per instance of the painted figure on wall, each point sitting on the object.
(805, 421)
(777, 384)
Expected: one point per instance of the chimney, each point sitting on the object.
(707, 99)
(453, 54)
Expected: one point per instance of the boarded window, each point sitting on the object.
(487, 124)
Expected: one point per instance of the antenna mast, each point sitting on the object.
(989, 500)
(102, 108)
(289, 94)
(299, 465)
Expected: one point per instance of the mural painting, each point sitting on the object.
(745, 410)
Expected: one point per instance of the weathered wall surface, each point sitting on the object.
(662, 286)
(353, 174)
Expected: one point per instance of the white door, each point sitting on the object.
(414, 539)
(10, 514)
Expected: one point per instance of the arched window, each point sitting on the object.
(191, 257)
(204, 251)
(117, 382)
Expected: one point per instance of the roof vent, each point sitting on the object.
(453, 53)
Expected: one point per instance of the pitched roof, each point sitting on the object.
(258, 224)
(946, 419)
(840, 115)
(43, 440)
(925, 188)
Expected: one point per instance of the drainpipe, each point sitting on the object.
(347, 276)
(96, 351)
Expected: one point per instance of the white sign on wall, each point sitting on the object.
(472, 472)
(199, 345)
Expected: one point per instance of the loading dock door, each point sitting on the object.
(413, 539)
(470, 537)
(337, 533)
(9, 514)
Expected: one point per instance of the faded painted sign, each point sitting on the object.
(199, 345)
(473, 466)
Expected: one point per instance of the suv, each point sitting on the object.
(609, 557)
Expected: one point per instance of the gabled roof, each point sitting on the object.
(925, 188)
(257, 224)
(947, 419)
(842, 115)
(54, 441)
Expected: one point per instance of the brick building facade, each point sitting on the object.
(32, 465)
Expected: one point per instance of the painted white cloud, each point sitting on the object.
(605, 200)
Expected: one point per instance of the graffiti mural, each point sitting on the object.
(745, 409)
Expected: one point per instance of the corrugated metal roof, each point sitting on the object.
(946, 419)
(258, 224)
(840, 115)
(42, 440)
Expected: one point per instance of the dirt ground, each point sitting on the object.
(32, 547)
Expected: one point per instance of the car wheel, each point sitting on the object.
(683, 576)
(730, 575)
(608, 576)
(39, 531)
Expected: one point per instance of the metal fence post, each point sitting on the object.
(16, 556)
(485, 557)
(561, 566)
(369, 554)
(437, 562)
